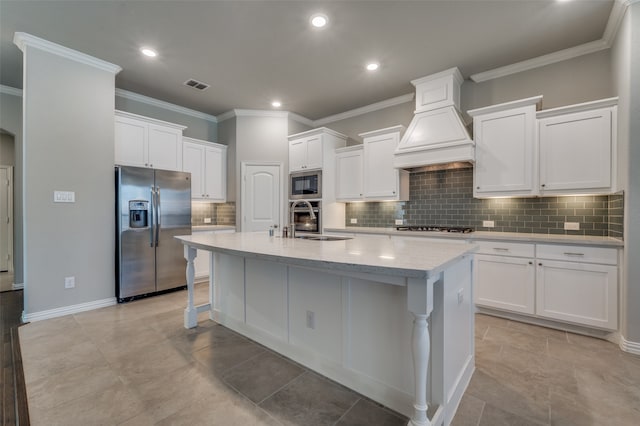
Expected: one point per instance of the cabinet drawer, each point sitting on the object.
(505, 249)
(607, 256)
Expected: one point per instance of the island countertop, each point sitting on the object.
(415, 259)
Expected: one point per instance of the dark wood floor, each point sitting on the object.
(13, 405)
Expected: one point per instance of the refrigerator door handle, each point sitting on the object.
(158, 215)
(152, 218)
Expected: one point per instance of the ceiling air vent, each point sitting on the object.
(198, 85)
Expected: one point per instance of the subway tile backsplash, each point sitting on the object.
(446, 198)
(219, 213)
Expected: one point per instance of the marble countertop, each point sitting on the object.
(204, 228)
(417, 258)
(584, 240)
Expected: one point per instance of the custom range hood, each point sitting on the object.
(437, 134)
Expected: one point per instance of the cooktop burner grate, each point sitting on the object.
(435, 228)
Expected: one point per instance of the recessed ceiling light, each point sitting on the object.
(149, 52)
(276, 104)
(319, 20)
(372, 66)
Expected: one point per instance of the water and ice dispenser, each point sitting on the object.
(138, 214)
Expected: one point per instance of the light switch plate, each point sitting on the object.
(399, 222)
(64, 197)
(69, 282)
(572, 226)
(354, 220)
(488, 223)
(207, 220)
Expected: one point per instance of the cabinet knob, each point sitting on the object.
(146, 164)
(530, 263)
(477, 187)
(539, 264)
(207, 195)
(394, 192)
(150, 165)
(543, 185)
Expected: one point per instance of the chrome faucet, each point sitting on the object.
(292, 226)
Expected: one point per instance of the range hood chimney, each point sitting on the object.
(437, 134)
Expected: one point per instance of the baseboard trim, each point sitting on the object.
(17, 286)
(68, 310)
(629, 346)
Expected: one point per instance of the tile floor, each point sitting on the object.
(134, 364)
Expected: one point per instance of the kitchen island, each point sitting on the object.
(392, 320)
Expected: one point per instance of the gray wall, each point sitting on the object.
(68, 146)
(197, 128)
(7, 149)
(626, 69)
(576, 80)
(11, 121)
(387, 117)
(297, 127)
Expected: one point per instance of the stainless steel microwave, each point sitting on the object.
(305, 185)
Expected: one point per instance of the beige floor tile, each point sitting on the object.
(46, 329)
(541, 368)
(486, 351)
(494, 416)
(488, 320)
(469, 411)
(538, 331)
(67, 386)
(110, 406)
(123, 338)
(516, 339)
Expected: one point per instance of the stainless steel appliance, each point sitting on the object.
(152, 206)
(305, 185)
(302, 220)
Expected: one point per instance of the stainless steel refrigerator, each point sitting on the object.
(152, 206)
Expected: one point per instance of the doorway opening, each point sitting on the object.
(7, 163)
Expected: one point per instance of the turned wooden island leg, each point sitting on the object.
(190, 312)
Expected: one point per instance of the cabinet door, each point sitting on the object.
(193, 162)
(215, 174)
(314, 152)
(131, 142)
(297, 154)
(349, 175)
(576, 151)
(165, 148)
(505, 152)
(505, 283)
(581, 293)
(380, 177)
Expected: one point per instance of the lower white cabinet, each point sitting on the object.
(575, 284)
(577, 290)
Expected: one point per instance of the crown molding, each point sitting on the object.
(300, 119)
(8, 90)
(585, 106)
(613, 25)
(365, 109)
(505, 106)
(226, 115)
(22, 40)
(164, 105)
(259, 113)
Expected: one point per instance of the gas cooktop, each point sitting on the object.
(436, 228)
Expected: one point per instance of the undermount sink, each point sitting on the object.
(323, 237)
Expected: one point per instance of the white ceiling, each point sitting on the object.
(252, 52)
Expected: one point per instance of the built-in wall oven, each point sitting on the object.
(305, 185)
(302, 218)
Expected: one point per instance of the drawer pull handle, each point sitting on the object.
(500, 249)
(573, 254)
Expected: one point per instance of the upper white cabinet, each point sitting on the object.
(578, 149)
(562, 151)
(505, 149)
(207, 163)
(307, 150)
(382, 181)
(146, 142)
(349, 173)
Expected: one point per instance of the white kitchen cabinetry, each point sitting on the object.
(207, 163)
(349, 173)
(202, 262)
(146, 142)
(505, 149)
(382, 181)
(578, 285)
(578, 149)
(305, 153)
(505, 276)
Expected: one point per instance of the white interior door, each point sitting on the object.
(261, 196)
(6, 217)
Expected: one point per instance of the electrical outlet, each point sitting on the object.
(354, 220)
(572, 226)
(460, 296)
(69, 282)
(311, 320)
(207, 220)
(399, 222)
(488, 223)
(64, 197)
